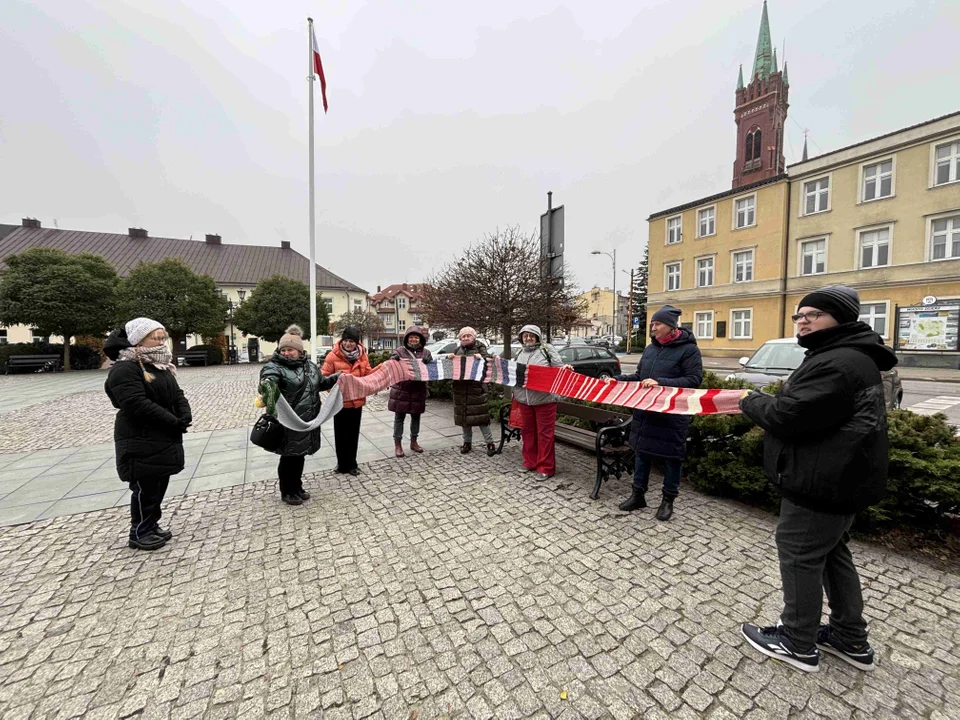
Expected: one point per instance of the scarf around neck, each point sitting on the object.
(160, 357)
(352, 356)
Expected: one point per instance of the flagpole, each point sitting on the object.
(314, 342)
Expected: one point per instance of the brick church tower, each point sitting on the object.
(761, 113)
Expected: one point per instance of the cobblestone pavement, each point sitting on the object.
(443, 586)
(52, 411)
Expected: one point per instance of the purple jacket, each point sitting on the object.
(410, 396)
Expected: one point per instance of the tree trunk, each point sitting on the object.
(66, 353)
(507, 342)
(175, 340)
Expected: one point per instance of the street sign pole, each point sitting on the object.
(630, 314)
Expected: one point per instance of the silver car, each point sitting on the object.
(777, 359)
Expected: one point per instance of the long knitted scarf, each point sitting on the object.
(559, 381)
(160, 357)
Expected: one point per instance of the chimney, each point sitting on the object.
(213, 239)
(31, 223)
(284, 244)
(137, 232)
(378, 287)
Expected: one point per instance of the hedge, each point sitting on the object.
(82, 357)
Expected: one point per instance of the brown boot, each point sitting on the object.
(398, 448)
(465, 448)
(415, 446)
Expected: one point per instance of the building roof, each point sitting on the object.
(226, 264)
(727, 193)
(412, 290)
(880, 137)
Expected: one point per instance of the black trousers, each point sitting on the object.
(290, 472)
(346, 436)
(146, 494)
(814, 558)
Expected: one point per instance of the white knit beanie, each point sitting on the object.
(138, 328)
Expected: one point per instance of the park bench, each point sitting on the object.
(608, 442)
(33, 362)
(195, 357)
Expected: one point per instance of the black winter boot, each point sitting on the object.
(637, 500)
(665, 511)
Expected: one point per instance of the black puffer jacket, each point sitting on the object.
(148, 430)
(469, 396)
(410, 396)
(300, 383)
(676, 364)
(826, 444)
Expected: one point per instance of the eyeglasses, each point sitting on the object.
(808, 316)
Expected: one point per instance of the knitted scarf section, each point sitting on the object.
(556, 380)
(160, 357)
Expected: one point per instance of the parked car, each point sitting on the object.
(593, 361)
(515, 349)
(777, 359)
(443, 347)
(322, 351)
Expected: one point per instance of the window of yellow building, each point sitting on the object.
(877, 181)
(707, 221)
(875, 247)
(816, 196)
(813, 257)
(745, 212)
(742, 266)
(674, 230)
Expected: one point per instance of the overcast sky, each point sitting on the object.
(447, 119)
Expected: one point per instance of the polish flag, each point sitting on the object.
(318, 69)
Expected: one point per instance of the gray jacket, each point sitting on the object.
(541, 354)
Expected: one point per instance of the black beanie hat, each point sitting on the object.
(839, 300)
(668, 315)
(350, 333)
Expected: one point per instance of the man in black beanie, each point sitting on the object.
(825, 449)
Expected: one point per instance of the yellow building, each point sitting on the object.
(721, 261)
(599, 312)
(882, 216)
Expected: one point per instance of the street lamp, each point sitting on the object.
(612, 256)
(231, 350)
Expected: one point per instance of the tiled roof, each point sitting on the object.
(411, 290)
(719, 196)
(226, 264)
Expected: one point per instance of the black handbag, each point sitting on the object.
(267, 431)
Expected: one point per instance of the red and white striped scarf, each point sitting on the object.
(556, 380)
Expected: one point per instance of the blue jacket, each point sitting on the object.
(676, 364)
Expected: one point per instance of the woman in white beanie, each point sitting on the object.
(152, 417)
(295, 376)
(470, 397)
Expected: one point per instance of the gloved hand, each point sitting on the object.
(185, 423)
(328, 381)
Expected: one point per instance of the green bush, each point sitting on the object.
(378, 356)
(82, 357)
(725, 457)
(214, 354)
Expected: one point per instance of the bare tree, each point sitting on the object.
(366, 321)
(496, 286)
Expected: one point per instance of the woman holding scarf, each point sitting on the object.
(470, 396)
(410, 396)
(349, 357)
(538, 409)
(152, 417)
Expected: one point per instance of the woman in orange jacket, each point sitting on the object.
(349, 357)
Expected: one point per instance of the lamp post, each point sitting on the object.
(231, 348)
(612, 256)
(629, 312)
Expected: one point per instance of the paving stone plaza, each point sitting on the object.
(438, 586)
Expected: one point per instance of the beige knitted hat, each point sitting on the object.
(293, 338)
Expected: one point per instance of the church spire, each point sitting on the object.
(762, 61)
(804, 158)
(740, 78)
(786, 80)
(774, 64)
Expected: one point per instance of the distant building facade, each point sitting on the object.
(398, 308)
(236, 269)
(598, 316)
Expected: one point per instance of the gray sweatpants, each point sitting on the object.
(814, 558)
(484, 429)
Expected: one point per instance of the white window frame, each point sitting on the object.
(826, 255)
(704, 209)
(755, 211)
(858, 249)
(696, 324)
(733, 265)
(666, 275)
(401, 302)
(829, 191)
(666, 229)
(402, 325)
(862, 179)
(713, 270)
(933, 161)
(931, 219)
(886, 314)
(733, 325)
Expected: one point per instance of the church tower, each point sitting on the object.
(761, 112)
